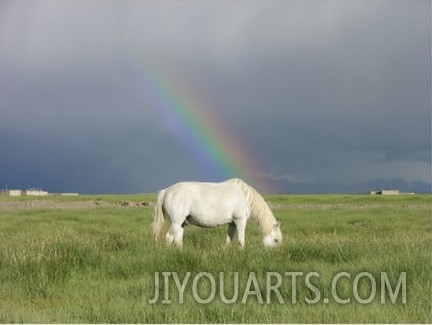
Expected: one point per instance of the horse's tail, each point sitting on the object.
(158, 217)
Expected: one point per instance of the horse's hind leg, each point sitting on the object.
(175, 235)
(231, 232)
(178, 240)
(169, 237)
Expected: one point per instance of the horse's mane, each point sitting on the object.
(260, 211)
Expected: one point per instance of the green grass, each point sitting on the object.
(97, 265)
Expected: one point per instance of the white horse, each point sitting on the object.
(213, 204)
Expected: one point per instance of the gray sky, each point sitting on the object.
(326, 96)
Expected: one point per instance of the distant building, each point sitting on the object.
(385, 192)
(35, 192)
(32, 192)
(11, 193)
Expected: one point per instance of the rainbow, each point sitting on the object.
(217, 151)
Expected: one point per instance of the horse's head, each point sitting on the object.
(274, 238)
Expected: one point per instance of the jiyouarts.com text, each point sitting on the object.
(280, 287)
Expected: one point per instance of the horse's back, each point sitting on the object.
(203, 199)
(193, 191)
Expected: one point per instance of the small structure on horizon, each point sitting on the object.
(32, 192)
(385, 192)
(11, 192)
(35, 192)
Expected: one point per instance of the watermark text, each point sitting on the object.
(281, 287)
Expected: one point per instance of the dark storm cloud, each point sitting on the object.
(333, 96)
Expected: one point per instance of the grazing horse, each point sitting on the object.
(210, 205)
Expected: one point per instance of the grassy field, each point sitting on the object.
(68, 262)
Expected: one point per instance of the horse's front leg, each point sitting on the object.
(241, 229)
(231, 232)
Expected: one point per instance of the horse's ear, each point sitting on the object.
(277, 225)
